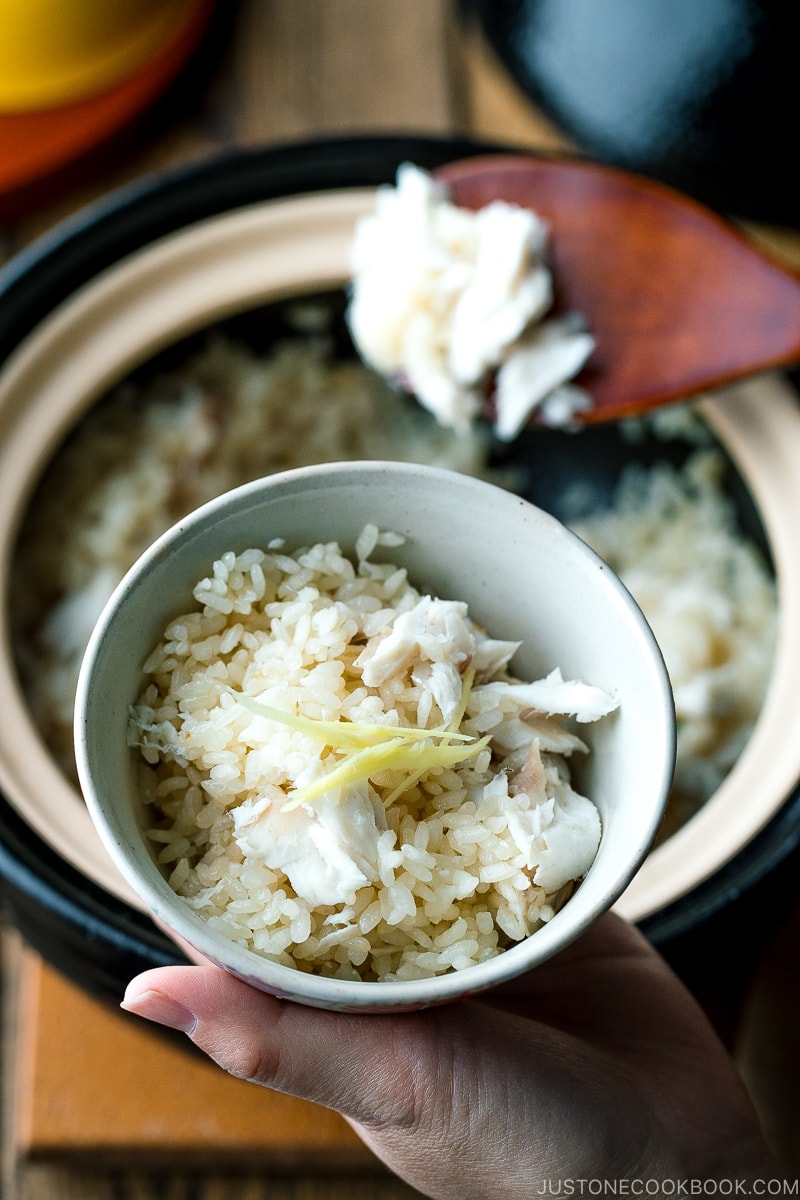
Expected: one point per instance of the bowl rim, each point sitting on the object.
(73, 254)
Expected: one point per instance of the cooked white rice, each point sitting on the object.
(350, 848)
(672, 537)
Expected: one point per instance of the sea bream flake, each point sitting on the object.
(451, 304)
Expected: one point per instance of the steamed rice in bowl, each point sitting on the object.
(344, 776)
(428, 740)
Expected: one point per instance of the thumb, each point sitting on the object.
(343, 1061)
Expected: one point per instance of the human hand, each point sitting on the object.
(596, 1065)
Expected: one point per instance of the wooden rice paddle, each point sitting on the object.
(678, 301)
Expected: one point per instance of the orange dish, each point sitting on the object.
(39, 142)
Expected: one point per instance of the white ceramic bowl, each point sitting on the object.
(525, 577)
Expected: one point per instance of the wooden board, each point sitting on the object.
(89, 1081)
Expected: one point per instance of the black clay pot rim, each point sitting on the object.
(74, 252)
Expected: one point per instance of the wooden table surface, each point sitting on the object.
(286, 69)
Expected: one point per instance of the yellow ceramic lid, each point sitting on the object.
(54, 52)
(38, 144)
